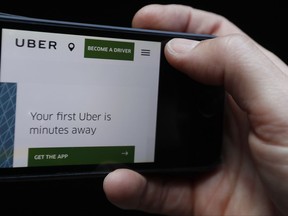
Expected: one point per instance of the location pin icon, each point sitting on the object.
(71, 46)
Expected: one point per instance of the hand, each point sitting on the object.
(253, 177)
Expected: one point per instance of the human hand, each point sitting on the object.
(253, 177)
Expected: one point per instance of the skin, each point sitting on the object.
(252, 180)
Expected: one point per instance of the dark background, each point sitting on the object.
(265, 22)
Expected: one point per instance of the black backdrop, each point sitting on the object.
(265, 22)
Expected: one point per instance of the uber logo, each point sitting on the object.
(31, 43)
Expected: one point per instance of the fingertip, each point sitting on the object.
(123, 188)
(143, 16)
(180, 46)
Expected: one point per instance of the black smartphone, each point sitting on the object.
(80, 100)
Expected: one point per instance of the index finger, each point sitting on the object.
(183, 18)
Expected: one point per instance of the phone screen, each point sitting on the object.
(70, 98)
(78, 99)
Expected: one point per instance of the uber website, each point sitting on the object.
(73, 99)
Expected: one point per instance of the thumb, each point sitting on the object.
(253, 80)
(234, 61)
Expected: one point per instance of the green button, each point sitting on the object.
(105, 49)
(80, 155)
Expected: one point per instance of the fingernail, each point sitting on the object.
(181, 45)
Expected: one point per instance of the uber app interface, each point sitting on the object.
(74, 99)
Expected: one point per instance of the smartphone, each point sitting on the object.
(81, 99)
